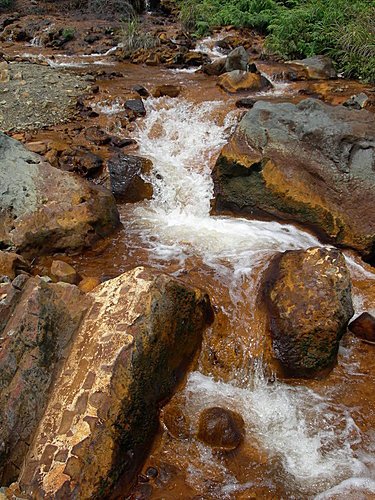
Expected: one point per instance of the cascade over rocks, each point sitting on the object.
(308, 295)
(97, 414)
(310, 162)
(43, 209)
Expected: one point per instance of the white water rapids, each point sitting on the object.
(310, 437)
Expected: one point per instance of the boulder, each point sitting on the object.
(238, 80)
(38, 320)
(43, 209)
(215, 68)
(317, 67)
(238, 59)
(221, 429)
(311, 162)
(363, 327)
(135, 106)
(127, 177)
(139, 334)
(308, 296)
(245, 102)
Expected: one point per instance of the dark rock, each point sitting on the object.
(136, 106)
(80, 160)
(238, 59)
(215, 68)
(142, 91)
(43, 209)
(127, 176)
(92, 38)
(246, 102)
(363, 327)
(221, 429)
(308, 293)
(311, 162)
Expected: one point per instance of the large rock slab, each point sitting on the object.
(43, 209)
(37, 322)
(308, 293)
(139, 333)
(310, 162)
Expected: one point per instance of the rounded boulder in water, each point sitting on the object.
(220, 428)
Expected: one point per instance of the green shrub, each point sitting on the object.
(133, 37)
(5, 4)
(342, 29)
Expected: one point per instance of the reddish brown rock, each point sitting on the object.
(175, 420)
(138, 335)
(11, 264)
(215, 68)
(43, 209)
(38, 321)
(62, 271)
(221, 429)
(166, 90)
(363, 327)
(238, 80)
(308, 293)
(88, 283)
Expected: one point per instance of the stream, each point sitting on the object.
(311, 440)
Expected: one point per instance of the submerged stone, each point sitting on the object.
(220, 428)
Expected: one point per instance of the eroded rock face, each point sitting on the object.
(308, 293)
(43, 209)
(137, 337)
(37, 322)
(220, 428)
(310, 162)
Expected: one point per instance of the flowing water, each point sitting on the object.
(309, 439)
(312, 440)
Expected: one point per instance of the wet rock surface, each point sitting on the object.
(38, 320)
(309, 302)
(221, 429)
(139, 333)
(317, 67)
(310, 162)
(44, 209)
(238, 80)
(363, 327)
(127, 178)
